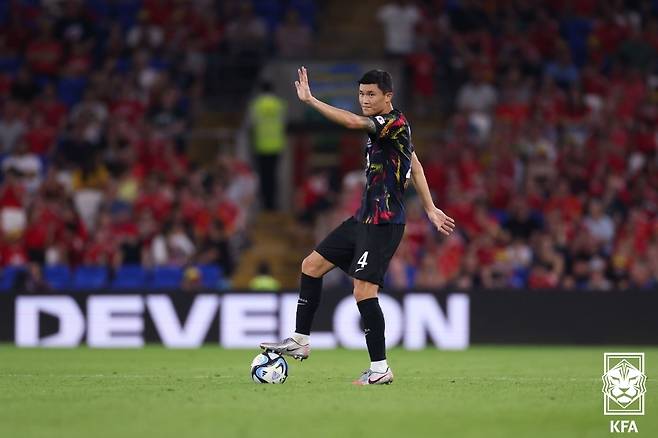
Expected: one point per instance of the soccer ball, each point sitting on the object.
(269, 367)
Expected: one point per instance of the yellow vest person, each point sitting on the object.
(264, 280)
(268, 121)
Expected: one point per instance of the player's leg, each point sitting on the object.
(314, 266)
(372, 317)
(337, 249)
(375, 246)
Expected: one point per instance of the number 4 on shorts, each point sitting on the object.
(363, 261)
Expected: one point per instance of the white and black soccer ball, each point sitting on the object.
(269, 367)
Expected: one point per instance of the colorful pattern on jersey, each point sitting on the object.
(388, 166)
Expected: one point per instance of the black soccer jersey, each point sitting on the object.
(388, 166)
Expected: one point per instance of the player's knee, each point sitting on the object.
(311, 266)
(361, 294)
(364, 290)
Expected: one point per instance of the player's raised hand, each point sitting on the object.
(303, 89)
(441, 221)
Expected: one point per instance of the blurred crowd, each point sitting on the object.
(547, 156)
(546, 153)
(97, 102)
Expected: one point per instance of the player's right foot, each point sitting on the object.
(288, 347)
(370, 377)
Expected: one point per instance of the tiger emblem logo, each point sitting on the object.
(624, 383)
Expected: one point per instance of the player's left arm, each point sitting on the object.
(337, 115)
(441, 221)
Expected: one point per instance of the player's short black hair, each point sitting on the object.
(381, 78)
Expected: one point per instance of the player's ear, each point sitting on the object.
(388, 96)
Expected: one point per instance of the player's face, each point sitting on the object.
(373, 101)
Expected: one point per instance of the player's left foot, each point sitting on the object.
(370, 377)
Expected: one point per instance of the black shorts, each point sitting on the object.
(363, 251)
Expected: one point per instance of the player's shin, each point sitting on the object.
(373, 323)
(309, 300)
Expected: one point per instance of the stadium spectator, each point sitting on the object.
(26, 164)
(521, 223)
(399, 19)
(214, 248)
(597, 279)
(30, 280)
(264, 281)
(293, 36)
(422, 67)
(477, 95)
(598, 224)
(12, 126)
(24, 88)
(45, 52)
(192, 280)
(73, 26)
(246, 33)
(636, 51)
(145, 33)
(267, 113)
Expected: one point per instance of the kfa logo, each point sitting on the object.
(621, 426)
(624, 387)
(623, 384)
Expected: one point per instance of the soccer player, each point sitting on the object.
(363, 245)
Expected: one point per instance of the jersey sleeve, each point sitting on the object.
(383, 124)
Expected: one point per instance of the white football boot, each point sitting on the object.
(288, 347)
(370, 377)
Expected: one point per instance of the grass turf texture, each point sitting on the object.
(154, 392)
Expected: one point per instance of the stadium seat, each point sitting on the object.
(211, 276)
(70, 89)
(90, 277)
(130, 277)
(8, 276)
(57, 276)
(166, 277)
(10, 64)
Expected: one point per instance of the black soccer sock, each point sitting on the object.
(373, 324)
(309, 300)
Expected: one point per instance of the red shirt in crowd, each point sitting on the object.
(131, 109)
(11, 195)
(157, 203)
(40, 138)
(53, 112)
(45, 56)
(13, 253)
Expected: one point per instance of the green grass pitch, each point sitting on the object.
(155, 392)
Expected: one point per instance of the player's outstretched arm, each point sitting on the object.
(340, 116)
(441, 221)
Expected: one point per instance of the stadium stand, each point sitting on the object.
(536, 122)
(100, 104)
(546, 152)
